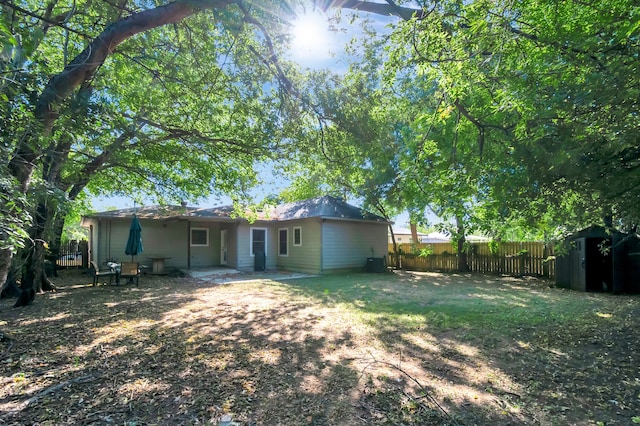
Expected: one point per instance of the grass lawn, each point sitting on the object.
(361, 349)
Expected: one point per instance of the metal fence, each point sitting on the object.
(72, 254)
(508, 258)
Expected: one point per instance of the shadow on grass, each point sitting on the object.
(328, 350)
(172, 353)
(519, 345)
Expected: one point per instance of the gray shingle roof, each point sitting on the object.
(323, 207)
(155, 212)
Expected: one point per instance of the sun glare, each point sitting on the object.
(311, 37)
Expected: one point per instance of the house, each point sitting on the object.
(319, 235)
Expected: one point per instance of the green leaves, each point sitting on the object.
(550, 84)
(14, 217)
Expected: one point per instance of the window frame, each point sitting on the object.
(299, 229)
(251, 253)
(286, 230)
(206, 230)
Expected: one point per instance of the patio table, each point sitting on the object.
(157, 266)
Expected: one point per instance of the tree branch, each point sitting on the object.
(272, 59)
(388, 9)
(84, 66)
(179, 133)
(52, 22)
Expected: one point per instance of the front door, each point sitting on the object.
(223, 247)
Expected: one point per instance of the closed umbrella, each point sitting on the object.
(134, 243)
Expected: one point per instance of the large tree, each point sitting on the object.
(179, 109)
(545, 93)
(553, 85)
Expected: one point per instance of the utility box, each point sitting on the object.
(375, 264)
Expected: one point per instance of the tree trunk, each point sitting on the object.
(414, 233)
(57, 227)
(396, 254)
(56, 238)
(6, 256)
(618, 262)
(463, 265)
(34, 271)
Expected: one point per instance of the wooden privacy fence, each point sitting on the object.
(509, 258)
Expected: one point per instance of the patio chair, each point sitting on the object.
(130, 270)
(96, 272)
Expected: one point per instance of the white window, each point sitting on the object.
(297, 236)
(283, 242)
(258, 243)
(200, 237)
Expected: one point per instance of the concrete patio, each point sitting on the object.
(225, 275)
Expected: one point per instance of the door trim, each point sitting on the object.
(223, 246)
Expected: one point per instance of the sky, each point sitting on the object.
(318, 43)
(314, 45)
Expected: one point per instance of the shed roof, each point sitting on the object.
(322, 207)
(593, 231)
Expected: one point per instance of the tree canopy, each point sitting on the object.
(513, 113)
(548, 93)
(490, 113)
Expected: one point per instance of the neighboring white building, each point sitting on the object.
(477, 239)
(439, 237)
(403, 236)
(436, 237)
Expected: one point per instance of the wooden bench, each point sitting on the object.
(97, 273)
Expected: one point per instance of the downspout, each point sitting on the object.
(91, 241)
(321, 246)
(188, 244)
(111, 239)
(107, 232)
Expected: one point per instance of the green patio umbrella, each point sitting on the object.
(134, 243)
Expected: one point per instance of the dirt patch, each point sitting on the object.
(371, 349)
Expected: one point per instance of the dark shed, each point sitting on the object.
(598, 260)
